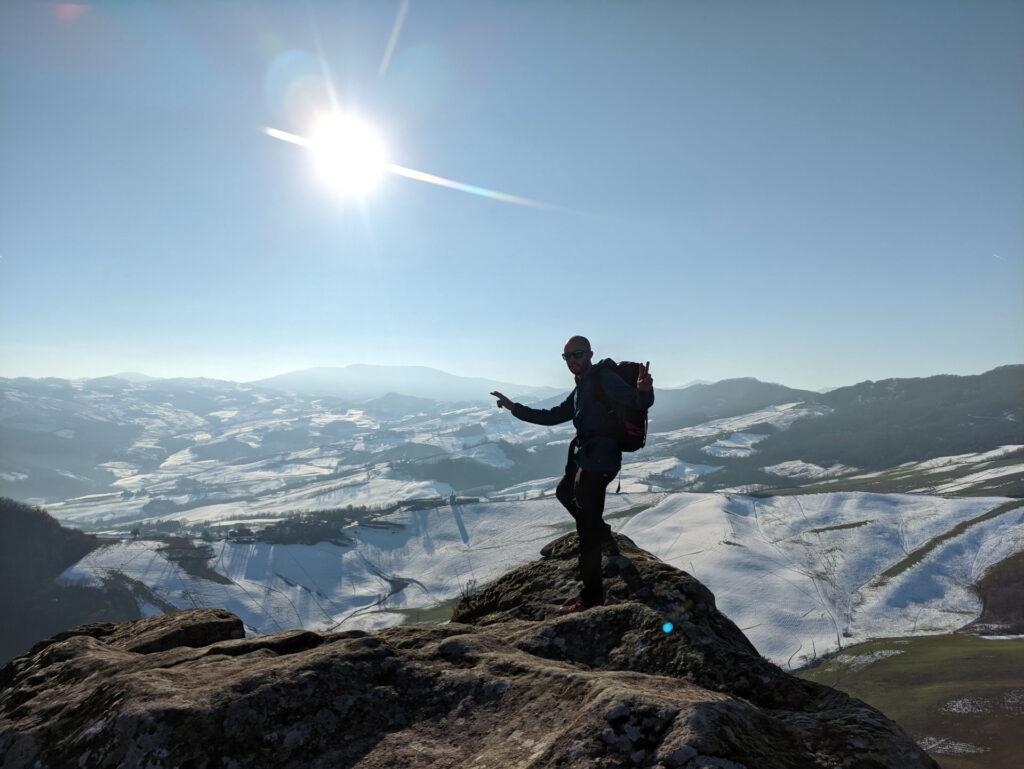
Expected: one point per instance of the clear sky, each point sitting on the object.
(814, 193)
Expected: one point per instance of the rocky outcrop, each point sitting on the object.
(508, 683)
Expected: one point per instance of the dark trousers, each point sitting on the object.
(582, 494)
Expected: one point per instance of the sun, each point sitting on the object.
(348, 154)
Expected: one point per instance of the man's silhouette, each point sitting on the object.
(594, 455)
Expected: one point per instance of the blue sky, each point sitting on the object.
(813, 193)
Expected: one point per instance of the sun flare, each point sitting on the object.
(348, 154)
(350, 157)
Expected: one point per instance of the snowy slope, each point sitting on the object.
(797, 468)
(799, 573)
(636, 476)
(989, 473)
(736, 445)
(431, 555)
(780, 417)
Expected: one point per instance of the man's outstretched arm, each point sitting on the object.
(563, 412)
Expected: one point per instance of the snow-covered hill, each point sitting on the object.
(800, 575)
(405, 561)
(115, 453)
(804, 575)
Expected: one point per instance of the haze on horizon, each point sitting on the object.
(809, 193)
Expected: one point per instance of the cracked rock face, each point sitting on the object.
(508, 683)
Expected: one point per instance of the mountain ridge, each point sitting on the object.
(361, 380)
(546, 391)
(64, 440)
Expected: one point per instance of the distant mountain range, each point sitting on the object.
(133, 376)
(703, 402)
(360, 381)
(154, 440)
(885, 423)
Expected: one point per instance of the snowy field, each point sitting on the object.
(736, 445)
(422, 558)
(798, 574)
(797, 468)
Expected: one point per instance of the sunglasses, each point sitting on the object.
(575, 354)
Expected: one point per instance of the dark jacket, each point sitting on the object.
(596, 425)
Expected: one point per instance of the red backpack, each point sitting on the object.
(632, 433)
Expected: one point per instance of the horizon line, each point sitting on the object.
(121, 375)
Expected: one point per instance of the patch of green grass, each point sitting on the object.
(959, 688)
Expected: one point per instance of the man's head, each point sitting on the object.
(577, 355)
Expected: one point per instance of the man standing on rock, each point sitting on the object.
(594, 454)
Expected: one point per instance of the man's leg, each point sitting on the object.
(589, 492)
(564, 492)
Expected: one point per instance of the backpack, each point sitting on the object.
(632, 423)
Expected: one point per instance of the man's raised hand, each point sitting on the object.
(644, 382)
(503, 402)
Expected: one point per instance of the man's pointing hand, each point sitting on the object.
(503, 402)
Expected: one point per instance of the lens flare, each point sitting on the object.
(67, 13)
(396, 30)
(350, 156)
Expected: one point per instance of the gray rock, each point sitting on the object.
(679, 757)
(621, 710)
(710, 762)
(509, 681)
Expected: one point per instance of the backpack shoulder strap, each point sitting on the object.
(599, 390)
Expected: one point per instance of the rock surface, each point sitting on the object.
(508, 683)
